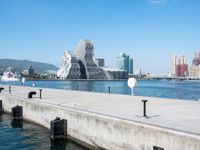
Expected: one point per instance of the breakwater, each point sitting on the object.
(112, 121)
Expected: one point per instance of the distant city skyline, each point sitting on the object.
(150, 31)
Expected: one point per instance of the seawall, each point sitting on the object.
(109, 121)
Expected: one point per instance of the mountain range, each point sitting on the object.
(20, 65)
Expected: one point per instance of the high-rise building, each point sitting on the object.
(100, 62)
(179, 66)
(124, 63)
(196, 60)
(182, 67)
(131, 66)
(173, 65)
(195, 68)
(182, 70)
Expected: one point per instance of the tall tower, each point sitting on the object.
(182, 60)
(173, 64)
(124, 62)
(131, 66)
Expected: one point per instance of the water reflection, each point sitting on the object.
(16, 123)
(1, 119)
(58, 146)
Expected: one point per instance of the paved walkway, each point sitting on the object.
(168, 113)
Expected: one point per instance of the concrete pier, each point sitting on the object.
(110, 121)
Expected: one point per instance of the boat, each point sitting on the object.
(9, 76)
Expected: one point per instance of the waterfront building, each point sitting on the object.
(31, 71)
(182, 70)
(182, 67)
(123, 62)
(173, 65)
(179, 66)
(195, 68)
(100, 62)
(195, 71)
(196, 60)
(131, 66)
(80, 64)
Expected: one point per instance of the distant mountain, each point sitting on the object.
(19, 65)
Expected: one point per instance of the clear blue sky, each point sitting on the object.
(150, 31)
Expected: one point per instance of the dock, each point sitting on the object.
(112, 121)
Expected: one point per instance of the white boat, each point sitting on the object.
(9, 76)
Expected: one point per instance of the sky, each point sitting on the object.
(149, 31)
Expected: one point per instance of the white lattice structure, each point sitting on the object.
(80, 64)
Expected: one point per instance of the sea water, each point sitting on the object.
(189, 90)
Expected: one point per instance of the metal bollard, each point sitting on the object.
(1, 88)
(144, 108)
(109, 89)
(9, 89)
(17, 113)
(40, 93)
(17, 117)
(77, 87)
(1, 108)
(58, 131)
(30, 94)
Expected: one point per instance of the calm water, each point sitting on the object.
(33, 137)
(160, 88)
(29, 137)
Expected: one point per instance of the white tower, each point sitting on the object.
(173, 65)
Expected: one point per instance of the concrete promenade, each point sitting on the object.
(111, 121)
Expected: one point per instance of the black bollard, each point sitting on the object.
(58, 131)
(109, 89)
(144, 108)
(40, 93)
(1, 108)
(17, 113)
(77, 87)
(30, 94)
(17, 117)
(1, 89)
(9, 89)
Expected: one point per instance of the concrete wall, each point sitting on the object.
(103, 131)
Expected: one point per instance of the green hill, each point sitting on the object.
(19, 65)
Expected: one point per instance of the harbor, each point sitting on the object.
(110, 121)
